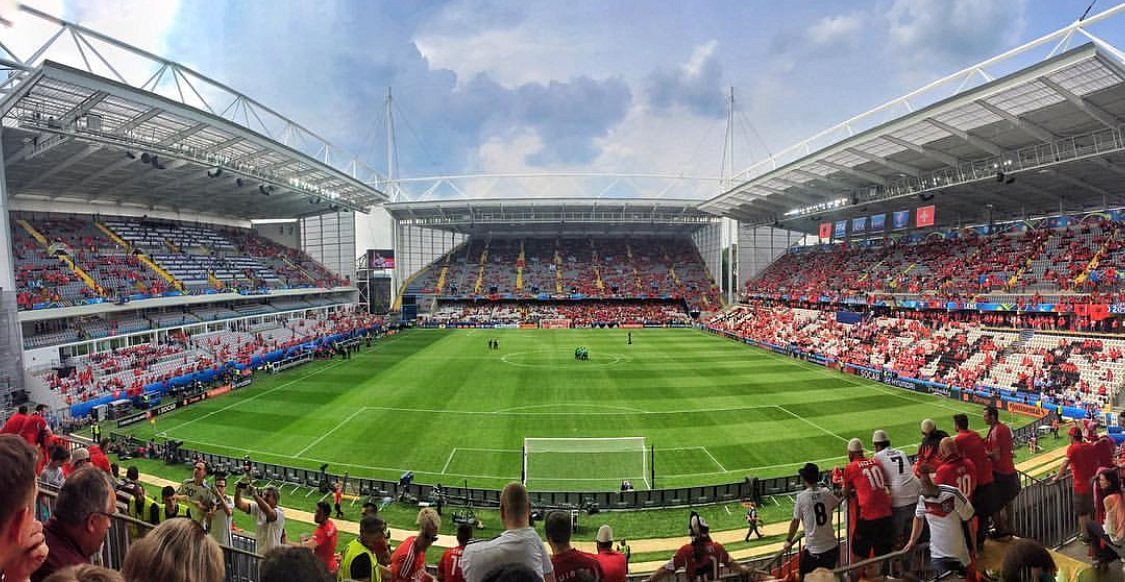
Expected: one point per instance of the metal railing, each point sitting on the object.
(1044, 511)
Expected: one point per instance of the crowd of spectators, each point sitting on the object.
(577, 313)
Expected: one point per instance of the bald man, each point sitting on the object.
(517, 545)
(955, 469)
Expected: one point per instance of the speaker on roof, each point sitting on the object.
(214, 172)
(145, 158)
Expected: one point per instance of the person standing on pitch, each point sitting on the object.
(752, 522)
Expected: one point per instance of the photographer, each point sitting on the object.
(269, 525)
(222, 509)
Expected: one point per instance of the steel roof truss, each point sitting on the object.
(1101, 115)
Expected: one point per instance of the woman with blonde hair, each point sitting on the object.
(178, 550)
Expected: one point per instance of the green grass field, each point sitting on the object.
(441, 404)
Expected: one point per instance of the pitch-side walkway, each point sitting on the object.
(670, 545)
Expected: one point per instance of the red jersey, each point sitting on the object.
(325, 535)
(1000, 446)
(1104, 448)
(449, 568)
(14, 424)
(973, 448)
(957, 471)
(704, 566)
(407, 563)
(32, 427)
(572, 564)
(615, 567)
(869, 480)
(98, 458)
(1083, 465)
(338, 496)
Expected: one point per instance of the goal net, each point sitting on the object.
(561, 464)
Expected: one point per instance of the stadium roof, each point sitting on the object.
(1045, 138)
(176, 141)
(553, 217)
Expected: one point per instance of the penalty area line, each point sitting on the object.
(810, 423)
(445, 467)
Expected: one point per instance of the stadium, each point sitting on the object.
(182, 283)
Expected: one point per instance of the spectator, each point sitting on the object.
(52, 475)
(928, 448)
(34, 428)
(408, 562)
(1082, 463)
(167, 509)
(359, 560)
(513, 572)
(1027, 561)
(98, 457)
(85, 573)
(83, 514)
(569, 563)
(517, 544)
(946, 510)
(14, 424)
(322, 542)
(79, 458)
(22, 545)
(973, 447)
(874, 530)
(955, 470)
(1007, 482)
(904, 485)
(700, 559)
(221, 513)
(813, 511)
(292, 564)
(1106, 538)
(177, 550)
(269, 519)
(196, 493)
(615, 567)
(449, 567)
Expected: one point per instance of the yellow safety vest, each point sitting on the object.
(352, 551)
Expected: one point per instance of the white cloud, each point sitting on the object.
(512, 57)
(937, 35)
(836, 30)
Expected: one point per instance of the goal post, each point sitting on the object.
(601, 463)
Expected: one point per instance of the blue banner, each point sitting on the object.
(859, 224)
(841, 229)
(901, 219)
(878, 222)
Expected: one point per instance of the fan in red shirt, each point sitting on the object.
(955, 470)
(323, 539)
(408, 563)
(874, 531)
(1006, 483)
(15, 421)
(1082, 461)
(615, 566)
(1104, 450)
(449, 567)
(570, 564)
(699, 559)
(973, 448)
(98, 457)
(35, 426)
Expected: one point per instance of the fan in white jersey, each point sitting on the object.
(946, 510)
(813, 510)
(904, 485)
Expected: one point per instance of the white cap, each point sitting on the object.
(928, 426)
(605, 534)
(855, 446)
(697, 525)
(879, 436)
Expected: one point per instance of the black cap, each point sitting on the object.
(810, 472)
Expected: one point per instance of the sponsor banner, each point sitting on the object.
(924, 216)
(165, 409)
(859, 224)
(195, 398)
(1026, 409)
(825, 230)
(528, 326)
(841, 229)
(940, 391)
(633, 326)
(900, 219)
(214, 392)
(131, 419)
(878, 222)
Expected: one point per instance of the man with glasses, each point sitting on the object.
(359, 560)
(83, 515)
(408, 563)
(222, 508)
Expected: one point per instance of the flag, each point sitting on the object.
(925, 216)
(825, 230)
(1098, 311)
(900, 219)
(841, 230)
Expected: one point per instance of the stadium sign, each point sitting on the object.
(166, 409)
(242, 383)
(131, 419)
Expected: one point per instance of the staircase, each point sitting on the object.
(299, 269)
(558, 270)
(140, 256)
(520, 262)
(480, 270)
(64, 259)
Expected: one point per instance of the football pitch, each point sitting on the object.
(441, 404)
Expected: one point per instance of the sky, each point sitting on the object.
(486, 86)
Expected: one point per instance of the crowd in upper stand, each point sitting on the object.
(592, 267)
(198, 258)
(579, 314)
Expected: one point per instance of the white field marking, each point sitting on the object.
(449, 460)
(811, 423)
(325, 435)
(625, 411)
(716, 461)
(727, 507)
(535, 406)
(617, 359)
(272, 390)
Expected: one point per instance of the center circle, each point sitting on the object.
(554, 359)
